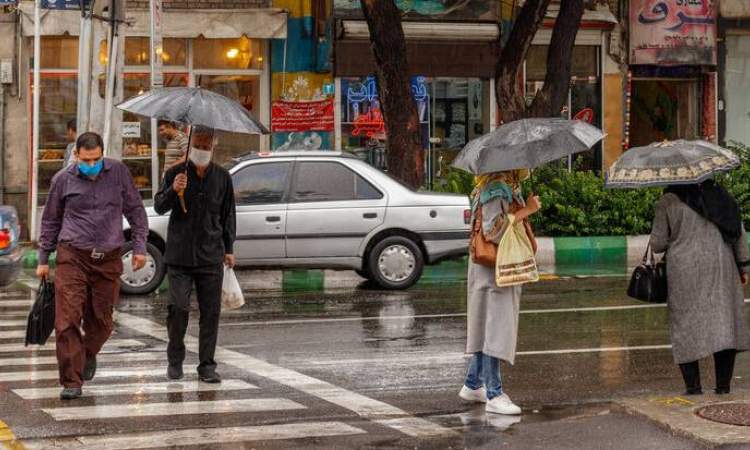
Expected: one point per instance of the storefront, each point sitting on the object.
(672, 82)
(734, 68)
(454, 91)
(223, 54)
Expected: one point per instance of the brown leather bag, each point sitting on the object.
(484, 252)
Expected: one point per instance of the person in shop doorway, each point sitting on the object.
(82, 221)
(177, 143)
(200, 242)
(69, 157)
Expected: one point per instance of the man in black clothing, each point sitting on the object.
(199, 243)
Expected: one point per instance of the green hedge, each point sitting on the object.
(576, 203)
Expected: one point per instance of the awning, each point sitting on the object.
(269, 23)
(443, 31)
(734, 9)
(433, 58)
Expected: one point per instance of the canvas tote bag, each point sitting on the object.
(515, 263)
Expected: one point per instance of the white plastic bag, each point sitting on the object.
(231, 291)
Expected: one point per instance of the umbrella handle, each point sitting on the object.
(181, 194)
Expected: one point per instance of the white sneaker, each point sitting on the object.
(473, 395)
(502, 405)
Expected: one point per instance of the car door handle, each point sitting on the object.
(370, 215)
(273, 219)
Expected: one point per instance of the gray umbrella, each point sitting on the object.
(669, 162)
(526, 144)
(194, 106)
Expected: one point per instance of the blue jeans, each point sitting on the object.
(484, 369)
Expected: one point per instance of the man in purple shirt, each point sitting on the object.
(82, 220)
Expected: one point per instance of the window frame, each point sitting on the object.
(287, 185)
(295, 177)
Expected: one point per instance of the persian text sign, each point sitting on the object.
(673, 32)
(302, 116)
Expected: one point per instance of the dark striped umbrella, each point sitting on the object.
(194, 106)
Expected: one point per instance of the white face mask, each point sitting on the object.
(200, 158)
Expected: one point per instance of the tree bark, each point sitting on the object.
(404, 147)
(508, 88)
(550, 100)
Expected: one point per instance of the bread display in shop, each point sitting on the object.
(51, 154)
(130, 149)
(144, 150)
(140, 181)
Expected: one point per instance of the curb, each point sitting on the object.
(556, 257)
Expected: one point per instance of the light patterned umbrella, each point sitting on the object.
(669, 163)
(194, 106)
(526, 144)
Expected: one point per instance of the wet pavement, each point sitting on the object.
(357, 369)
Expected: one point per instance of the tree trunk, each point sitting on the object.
(550, 100)
(404, 147)
(508, 88)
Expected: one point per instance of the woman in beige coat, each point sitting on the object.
(493, 311)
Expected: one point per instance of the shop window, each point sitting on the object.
(228, 54)
(261, 183)
(664, 109)
(136, 146)
(245, 89)
(330, 181)
(583, 62)
(59, 52)
(57, 106)
(738, 87)
(137, 52)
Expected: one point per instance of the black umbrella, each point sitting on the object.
(41, 320)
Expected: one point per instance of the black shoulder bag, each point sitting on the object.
(649, 280)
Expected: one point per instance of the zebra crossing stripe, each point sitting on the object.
(17, 334)
(12, 323)
(129, 357)
(112, 343)
(197, 436)
(358, 403)
(164, 387)
(172, 409)
(38, 375)
(15, 304)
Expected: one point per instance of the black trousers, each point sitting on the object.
(207, 281)
(723, 366)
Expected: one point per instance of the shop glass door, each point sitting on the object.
(664, 109)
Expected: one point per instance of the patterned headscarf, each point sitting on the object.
(512, 178)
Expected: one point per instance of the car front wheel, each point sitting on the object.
(396, 262)
(147, 279)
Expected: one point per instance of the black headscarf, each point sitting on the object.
(716, 204)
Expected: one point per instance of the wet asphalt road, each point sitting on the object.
(358, 369)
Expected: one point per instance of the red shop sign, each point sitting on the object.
(302, 116)
(585, 115)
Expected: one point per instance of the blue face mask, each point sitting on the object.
(90, 171)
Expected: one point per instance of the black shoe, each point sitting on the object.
(89, 370)
(70, 393)
(694, 391)
(721, 391)
(212, 378)
(174, 372)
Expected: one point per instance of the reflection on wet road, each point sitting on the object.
(346, 369)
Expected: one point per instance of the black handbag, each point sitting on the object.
(41, 319)
(649, 280)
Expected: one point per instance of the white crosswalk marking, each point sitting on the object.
(199, 436)
(358, 403)
(36, 375)
(113, 343)
(171, 409)
(15, 304)
(129, 357)
(165, 387)
(12, 323)
(18, 334)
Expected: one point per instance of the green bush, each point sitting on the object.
(576, 203)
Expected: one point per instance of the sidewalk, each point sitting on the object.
(680, 416)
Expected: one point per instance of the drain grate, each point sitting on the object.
(729, 413)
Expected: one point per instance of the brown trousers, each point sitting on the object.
(86, 290)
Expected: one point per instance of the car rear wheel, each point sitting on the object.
(146, 280)
(396, 262)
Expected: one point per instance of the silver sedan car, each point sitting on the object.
(326, 210)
